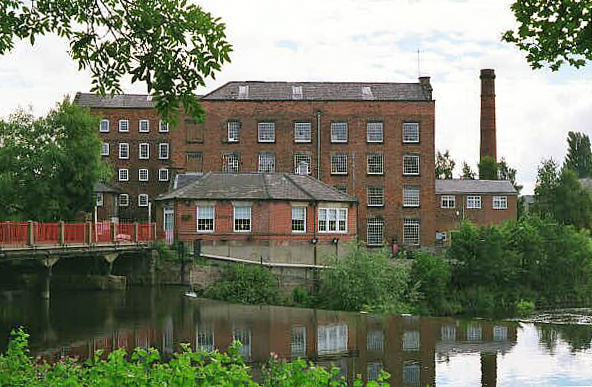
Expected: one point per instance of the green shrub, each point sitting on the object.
(525, 308)
(246, 284)
(432, 274)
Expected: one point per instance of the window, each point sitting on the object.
(338, 131)
(474, 202)
(500, 333)
(143, 174)
(163, 126)
(266, 131)
(339, 163)
(123, 200)
(411, 232)
(333, 220)
(331, 339)
(448, 201)
(302, 163)
(375, 232)
(105, 149)
(266, 163)
(298, 341)
(411, 341)
(233, 128)
(500, 202)
(374, 132)
(123, 150)
(367, 92)
(474, 332)
(302, 131)
(194, 162)
(242, 219)
(163, 151)
(374, 163)
(373, 370)
(448, 333)
(123, 125)
(243, 92)
(411, 132)
(230, 162)
(410, 196)
(411, 374)
(163, 174)
(205, 219)
(244, 336)
(104, 127)
(298, 219)
(375, 196)
(99, 202)
(296, 92)
(123, 174)
(144, 126)
(144, 151)
(375, 341)
(204, 338)
(194, 131)
(142, 200)
(410, 165)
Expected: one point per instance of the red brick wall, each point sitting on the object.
(447, 218)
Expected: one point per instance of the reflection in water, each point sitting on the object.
(415, 351)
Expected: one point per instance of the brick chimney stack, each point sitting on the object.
(488, 139)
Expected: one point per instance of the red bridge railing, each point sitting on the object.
(32, 234)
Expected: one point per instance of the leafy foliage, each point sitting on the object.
(171, 45)
(432, 274)
(444, 165)
(247, 284)
(467, 173)
(488, 169)
(54, 159)
(553, 32)
(579, 155)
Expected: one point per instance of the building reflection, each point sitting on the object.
(407, 347)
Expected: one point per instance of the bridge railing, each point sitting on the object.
(33, 234)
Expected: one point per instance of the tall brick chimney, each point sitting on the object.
(488, 140)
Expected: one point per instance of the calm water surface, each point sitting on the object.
(416, 351)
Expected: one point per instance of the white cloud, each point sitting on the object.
(373, 40)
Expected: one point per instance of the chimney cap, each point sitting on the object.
(424, 81)
(487, 73)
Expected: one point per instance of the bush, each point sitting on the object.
(524, 308)
(246, 284)
(432, 274)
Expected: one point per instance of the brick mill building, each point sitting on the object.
(372, 141)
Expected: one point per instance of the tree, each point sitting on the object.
(444, 165)
(488, 169)
(49, 164)
(579, 155)
(467, 172)
(546, 184)
(553, 32)
(505, 172)
(171, 45)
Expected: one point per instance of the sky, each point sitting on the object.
(368, 40)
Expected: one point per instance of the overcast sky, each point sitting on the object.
(368, 40)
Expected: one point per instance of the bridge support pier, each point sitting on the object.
(46, 284)
(110, 258)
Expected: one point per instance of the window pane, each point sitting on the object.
(375, 232)
(233, 131)
(339, 163)
(242, 218)
(298, 219)
(302, 163)
(411, 196)
(230, 162)
(411, 231)
(375, 164)
(266, 131)
(410, 165)
(266, 163)
(374, 132)
(411, 132)
(302, 131)
(338, 132)
(205, 218)
(375, 196)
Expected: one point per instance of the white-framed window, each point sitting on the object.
(204, 337)
(302, 163)
(99, 202)
(243, 92)
(500, 202)
(410, 196)
(205, 218)
(298, 341)
(333, 220)
(242, 219)
(104, 126)
(374, 132)
(123, 200)
(230, 162)
(302, 131)
(142, 174)
(143, 126)
(411, 341)
(338, 131)
(244, 336)
(448, 333)
(411, 132)
(375, 340)
(124, 125)
(266, 162)
(105, 149)
(266, 131)
(375, 232)
(411, 231)
(163, 150)
(448, 201)
(163, 174)
(142, 200)
(474, 202)
(339, 163)
(233, 130)
(296, 92)
(411, 373)
(298, 219)
(375, 164)
(163, 126)
(500, 333)
(144, 151)
(123, 174)
(410, 164)
(373, 370)
(375, 196)
(123, 150)
(474, 332)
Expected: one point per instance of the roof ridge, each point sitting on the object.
(328, 186)
(289, 177)
(265, 188)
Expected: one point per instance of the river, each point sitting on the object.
(416, 351)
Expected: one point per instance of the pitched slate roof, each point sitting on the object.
(458, 186)
(117, 101)
(256, 186)
(104, 187)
